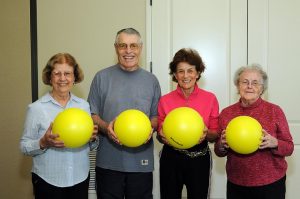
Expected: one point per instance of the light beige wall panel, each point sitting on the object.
(15, 86)
(87, 30)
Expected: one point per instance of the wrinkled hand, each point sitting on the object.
(150, 135)
(223, 143)
(268, 141)
(95, 133)
(111, 133)
(50, 140)
(205, 131)
(163, 137)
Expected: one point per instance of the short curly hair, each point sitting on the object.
(61, 58)
(252, 67)
(189, 55)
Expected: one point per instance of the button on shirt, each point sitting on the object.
(61, 167)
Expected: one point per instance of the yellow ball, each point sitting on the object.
(132, 127)
(183, 127)
(243, 134)
(74, 126)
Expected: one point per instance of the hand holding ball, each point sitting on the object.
(243, 134)
(74, 127)
(183, 127)
(132, 127)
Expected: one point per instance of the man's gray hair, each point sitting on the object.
(130, 31)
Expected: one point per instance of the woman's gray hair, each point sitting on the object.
(129, 31)
(252, 67)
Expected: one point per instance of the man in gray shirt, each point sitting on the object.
(122, 171)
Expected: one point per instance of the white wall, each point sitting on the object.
(229, 34)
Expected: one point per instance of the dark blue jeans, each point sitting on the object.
(119, 185)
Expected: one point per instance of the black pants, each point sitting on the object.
(119, 185)
(275, 190)
(44, 190)
(177, 169)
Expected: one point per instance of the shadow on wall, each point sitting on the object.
(24, 172)
(25, 167)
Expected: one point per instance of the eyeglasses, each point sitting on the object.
(253, 83)
(123, 46)
(66, 74)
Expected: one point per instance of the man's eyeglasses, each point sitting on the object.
(66, 74)
(123, 46)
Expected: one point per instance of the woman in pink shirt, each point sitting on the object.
(259, 175)
(190, 167)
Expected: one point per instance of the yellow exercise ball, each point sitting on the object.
(74, 126)
(243, 134)
(183, 127)
(132, 127)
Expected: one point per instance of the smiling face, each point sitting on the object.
(128, 49)
(186, 76)
(62, 78)
(250, 86)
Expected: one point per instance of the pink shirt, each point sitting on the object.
(204, 102)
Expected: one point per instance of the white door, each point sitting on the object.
(274, 28)
(229, 34)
